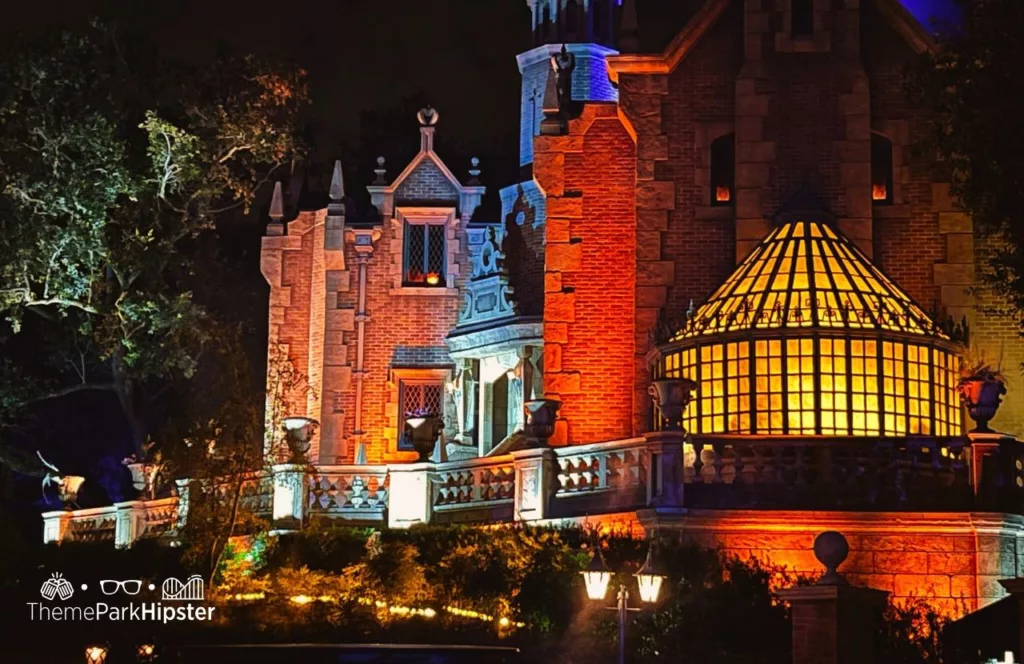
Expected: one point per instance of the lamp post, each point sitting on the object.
(597, 578)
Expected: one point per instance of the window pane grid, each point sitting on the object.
(425, 255)
(830, 386)
(800, 389)
(415, 396)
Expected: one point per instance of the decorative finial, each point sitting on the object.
(474, 171)
(337, 191)
(427, 117)
(380, 171)
(831, 549)
(277, 204)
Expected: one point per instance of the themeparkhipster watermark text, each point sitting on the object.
(182, 598)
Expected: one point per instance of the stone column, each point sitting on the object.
(536, 483)
(411, 494)
(665, 480)
(1016, 588)
(834, 622)
(54, 526)
(183, 503)
(289, 496)
(126, 523)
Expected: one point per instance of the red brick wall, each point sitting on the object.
(590, 275)
(292, 329)
(907, 240)
(700, 90)
(395, 319)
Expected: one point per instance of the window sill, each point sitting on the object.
(714, 212)
(431, 291)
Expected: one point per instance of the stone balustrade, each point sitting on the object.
(475, 489)
(662, 470)
(357, 493)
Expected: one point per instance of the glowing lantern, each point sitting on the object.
(649, 580)
(146, 652)
(723, 194)
(879, 192)
(433, 279)
(95, 655)
(596, 577)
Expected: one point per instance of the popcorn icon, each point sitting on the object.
(57, 586)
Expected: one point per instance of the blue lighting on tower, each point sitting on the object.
(933, 12)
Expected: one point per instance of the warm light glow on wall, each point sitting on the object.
(807, 337)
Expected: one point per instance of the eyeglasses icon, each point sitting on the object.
(130, 587)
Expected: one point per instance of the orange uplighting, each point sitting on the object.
(879, 192)
(723, 194)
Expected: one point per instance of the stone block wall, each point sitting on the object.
(590, 275)
(953, 561)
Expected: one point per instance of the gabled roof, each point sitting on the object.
(429, 155)
(664, 63)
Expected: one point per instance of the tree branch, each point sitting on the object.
(81, 387)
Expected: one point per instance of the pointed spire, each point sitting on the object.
(337, 191)
(629, 33)
(277, 204)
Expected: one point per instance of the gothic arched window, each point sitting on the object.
(801, 18)
(723, 170)
(881, 170)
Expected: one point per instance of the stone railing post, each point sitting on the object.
(289, 501)
(55, 524)
(1016, 588)
(126, 523)
(834, 622)
(665, 475)
(536, 483)
(410, 494)
(183, 492)
(994, 471)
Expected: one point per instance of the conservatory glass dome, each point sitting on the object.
(808, 337)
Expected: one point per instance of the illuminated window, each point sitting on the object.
(769, 393)
(425, 396)
(835, 403)
(802, 18)
(894, 388)
(723, 170)
(881, 170)
(424, 261)
(808, 337)
(864, 413)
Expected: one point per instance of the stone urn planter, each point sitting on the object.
(423, 432)
(67, 489)
(672, 396)
(981, 395)
(540, 420)
(298, 434)
(144, 476)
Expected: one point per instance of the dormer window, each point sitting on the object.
(723, 170)
(801, 18)
(881, 170)
(425, 257)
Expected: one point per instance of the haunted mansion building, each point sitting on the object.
(743, 210)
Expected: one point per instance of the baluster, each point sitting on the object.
(737, 464)
(602, 471)
(717, 462)
(758, 452)
(800, 465)
(698, 462)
